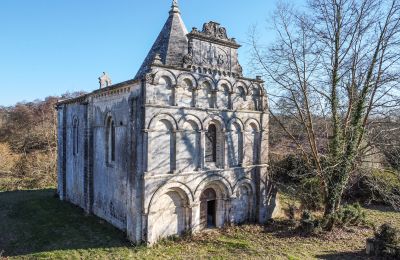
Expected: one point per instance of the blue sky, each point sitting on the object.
(49, 47)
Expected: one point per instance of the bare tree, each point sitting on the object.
(336, 60)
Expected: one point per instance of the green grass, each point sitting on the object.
(36, 225)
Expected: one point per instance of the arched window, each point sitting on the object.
(184, 94)
(253, 145)
(239, 101)
(235, 151)
(207, 97)
(224, 97)
(211, 144)
(162, 148)
(110, 140)
(256, 99)
(75, 138)
(188, 147)
(227, 94)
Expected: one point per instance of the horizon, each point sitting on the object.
(49, 49)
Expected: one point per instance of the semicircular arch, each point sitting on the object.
(252, 121)
(190, 117)
(179, 187)
(163, 116)
(164, 73)
(214, 180)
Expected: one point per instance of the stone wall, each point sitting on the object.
(177, 170)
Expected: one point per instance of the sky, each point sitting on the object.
(50, 47)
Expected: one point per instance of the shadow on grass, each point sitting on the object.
(285, 229)
(344, 256)
(36, 221)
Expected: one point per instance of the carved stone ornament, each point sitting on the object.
(105, 80)
(188, 58)
(149, 78)
(157, 59)
(215, 30)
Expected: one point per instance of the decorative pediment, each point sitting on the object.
(215, 30)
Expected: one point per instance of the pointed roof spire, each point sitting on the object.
(174, 7)
(171, 44)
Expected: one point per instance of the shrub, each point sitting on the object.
(376, 186)
(350, 215)
(294, 178)
(308, 223)
(388, 234)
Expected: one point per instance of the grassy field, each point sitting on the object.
(36, 225)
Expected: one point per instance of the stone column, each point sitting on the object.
(195, 217)
(202, 148)
(226, 148)
(146, 149)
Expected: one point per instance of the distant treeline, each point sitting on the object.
(28, 144)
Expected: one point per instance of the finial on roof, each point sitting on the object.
(104, 80)
(174, 7)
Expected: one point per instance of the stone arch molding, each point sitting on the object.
(222, 82)
(208, 79)
(163, 116)
(252, 121)
(237, 121)
(108, 115)
(246, 182)
(164, 73)
(187, 76)
(178, 187)
(243, 84)
(213, 180)
(192, 118)
(214, 118)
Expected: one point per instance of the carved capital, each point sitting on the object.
(149, 78)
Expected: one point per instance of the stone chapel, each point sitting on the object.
(181, 147)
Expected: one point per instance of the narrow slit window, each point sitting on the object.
(75, 137)
(211, 144)
(110, 140)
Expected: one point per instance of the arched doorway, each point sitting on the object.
(208, 208)
(168, 216)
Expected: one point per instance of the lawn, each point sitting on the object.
(36, 225)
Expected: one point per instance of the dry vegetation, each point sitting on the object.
(36, 225)
(28, 145)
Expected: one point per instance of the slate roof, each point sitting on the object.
(171, 44)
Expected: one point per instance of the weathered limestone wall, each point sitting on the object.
(71, 128)
(110, 178)
(176, 169)
(86, 178)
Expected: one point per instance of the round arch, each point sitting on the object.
(214, 181)
(257, 87)
(208, 79)
(244, 181)
(214, 118)
(243, 84)
(163, 116)
(164, 73)
(252, 121)
(179, 187)
(190, 117)
(187, 76)
(237, 121)
(108, 115)
(221, 82)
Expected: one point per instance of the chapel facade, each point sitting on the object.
(181, 147)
